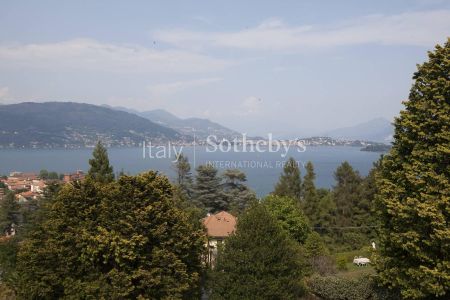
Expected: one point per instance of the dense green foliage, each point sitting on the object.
(414, 188)
(100, 170)
(259, 261)
(215, 193)
(208, 191)
(183, 192)
(290, 182)
(353, 208)
(44, 174)
(9, 213)
(318, 256)
(342, 288)
(315, 246)
(323, 216)
(289, 215)
(238, 195)
(310, 197)
(346, 194)
(377, 148)
(184, 175)
(115, 240)
(343, 216)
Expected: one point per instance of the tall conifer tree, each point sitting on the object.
(259, 261)
(100, 170)
(290, 182)
(239, 196)
(311, 200)
(208, 192)
(414, 188)
(184, 175)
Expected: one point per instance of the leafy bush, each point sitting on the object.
(323, 265)
(6, 293)
(341, 263)
(337, 288)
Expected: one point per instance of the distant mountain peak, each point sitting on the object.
(188, 126)
(378, 129)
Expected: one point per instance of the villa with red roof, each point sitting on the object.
(218, 227)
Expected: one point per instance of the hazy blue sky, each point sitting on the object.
(258, 66)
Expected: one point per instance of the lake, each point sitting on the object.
(262, 169)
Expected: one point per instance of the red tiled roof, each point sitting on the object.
(221, 224)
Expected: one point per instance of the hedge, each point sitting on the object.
(342, 288)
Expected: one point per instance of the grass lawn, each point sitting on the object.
(354, 271)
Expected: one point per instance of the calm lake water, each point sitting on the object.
(262, 169)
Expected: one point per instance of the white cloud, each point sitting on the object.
(165, 89)
(4, 91)
(87, 54)
(424, 28)
(5, 96)
(250, 106)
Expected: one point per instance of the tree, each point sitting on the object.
(43, 174)
(366, 214)
(318, 255)
(347, 195)
(288, 213)
(324, 218)
(259, 261)
(315, 246)
(120, 240)
(53, 175)
(207, 191)
(290, 182)
(310, 198)
(100, 170)
(184, 175)
(414, 189)
(9, 213)
(238, 195)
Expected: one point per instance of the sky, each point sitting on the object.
(285, 67)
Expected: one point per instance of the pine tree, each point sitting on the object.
(100, 170)
(208, 192)
(414, 189)
(310, 199)
(238, 195)
(184, 175)
(324, 218)
(259, 261)
(347, 195)
(365, 214)
(290, 182)
(9, 213)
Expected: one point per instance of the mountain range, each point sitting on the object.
(202, 128)
(73, 125)
(77, 125)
